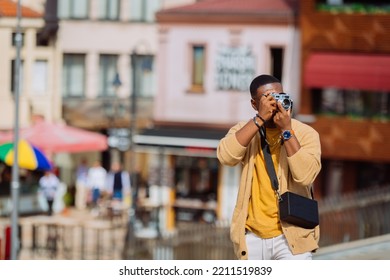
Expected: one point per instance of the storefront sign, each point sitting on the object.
(119, 138)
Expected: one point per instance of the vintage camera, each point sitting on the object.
(284, 99)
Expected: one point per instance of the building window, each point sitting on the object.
(14, 39)
(356, 104)
(354, 2)
(196, 177)
(144, 79)
(372, 175)
(354, 6)
(107, 71)
(39, 77)
(73, 75)
(13, 65)
(73, 9)
(196, 181)
(198, 68)
(108, 9)
(144, 11)
(276, 62)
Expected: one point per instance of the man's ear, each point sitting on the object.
(254, 104)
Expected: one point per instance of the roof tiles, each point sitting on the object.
(9, 8)
(235, 6)
(233, 11)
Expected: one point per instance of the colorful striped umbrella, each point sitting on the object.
(29, 156)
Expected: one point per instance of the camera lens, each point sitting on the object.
(286, 103)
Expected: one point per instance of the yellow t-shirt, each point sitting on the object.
(263, 214)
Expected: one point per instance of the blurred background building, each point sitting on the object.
(345, 90)
(39, 84)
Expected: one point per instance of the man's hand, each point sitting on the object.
(267, 107)
(282, 117)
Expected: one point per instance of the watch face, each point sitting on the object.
(286, 134)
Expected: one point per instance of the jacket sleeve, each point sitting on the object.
(306, 163)
(229, 151)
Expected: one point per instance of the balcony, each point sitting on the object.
(352, 139)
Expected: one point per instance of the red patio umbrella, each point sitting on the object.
(57, 138)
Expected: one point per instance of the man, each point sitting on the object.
(96, 179)
(48, 185)
(118, 182)
(256, 230)
(81, 184)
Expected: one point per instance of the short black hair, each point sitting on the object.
(261, 81)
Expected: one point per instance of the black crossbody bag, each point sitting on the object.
(293, 208)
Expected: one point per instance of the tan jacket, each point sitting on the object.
(295, 173)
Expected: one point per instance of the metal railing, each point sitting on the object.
(342, 219)
(354, 216)
(190, 241)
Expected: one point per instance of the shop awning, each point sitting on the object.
(187, 140)
(348, 71)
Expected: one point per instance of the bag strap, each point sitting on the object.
(268, 161)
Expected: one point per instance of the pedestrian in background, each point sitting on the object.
(48, 185)
(256, 229)
(118, 182)
(96, 179)
(81, 185)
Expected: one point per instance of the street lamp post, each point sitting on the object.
(130, 235)
(15, 184)
(118, 136)
(133, 123)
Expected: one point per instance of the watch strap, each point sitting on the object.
(256, 123)
(291, 133)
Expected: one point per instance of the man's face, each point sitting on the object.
(265, 90)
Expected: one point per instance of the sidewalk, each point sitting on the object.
(374, 248)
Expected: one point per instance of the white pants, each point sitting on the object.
(81, 195)
(275, 248)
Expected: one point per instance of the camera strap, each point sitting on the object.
(268, 161)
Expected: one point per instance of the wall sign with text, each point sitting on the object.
(235, 68)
